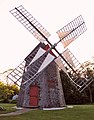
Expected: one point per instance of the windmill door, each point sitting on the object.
(34, 93)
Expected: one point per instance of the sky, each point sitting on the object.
(16, 42)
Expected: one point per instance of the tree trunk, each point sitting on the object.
(90, 95)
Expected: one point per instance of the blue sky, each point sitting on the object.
(16, 42)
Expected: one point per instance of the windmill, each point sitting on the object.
(38, 75)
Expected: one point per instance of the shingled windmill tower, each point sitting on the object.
(38, 75)
(46, 89)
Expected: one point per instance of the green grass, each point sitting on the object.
(8, 108)
(79, 112)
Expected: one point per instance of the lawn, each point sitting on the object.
(78, 112)
(8, 108)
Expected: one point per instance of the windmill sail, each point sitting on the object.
(16, 75)
(79, 78)
(33, 64)
(30, 23)
(67, 42)
(69, 57)
(37, 67)
(39, 53)
(46, 62)
(63, 34)
(72, 30)
(60, 64)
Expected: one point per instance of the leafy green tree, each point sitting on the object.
(7, 91)
(90, 89)
(89, 65)
(72, 96)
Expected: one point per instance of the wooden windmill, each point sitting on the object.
(38, 75)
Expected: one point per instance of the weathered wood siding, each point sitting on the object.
(50, 88)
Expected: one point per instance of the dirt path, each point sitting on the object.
(18, 112)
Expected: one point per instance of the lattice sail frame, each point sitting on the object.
(72, 30)
(20, 74)
(16, 75)
(79, 78)
(30, 23)
(25, 74)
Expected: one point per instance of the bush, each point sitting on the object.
(14, 101)
(7, 92)
(5, 100)
(1, 100)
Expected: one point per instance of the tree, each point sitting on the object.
(7, 91)
(72, 95)
(89, 65)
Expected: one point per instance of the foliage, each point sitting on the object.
(14, 101)
(90, 72)
(7, 91)
(72, 96)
